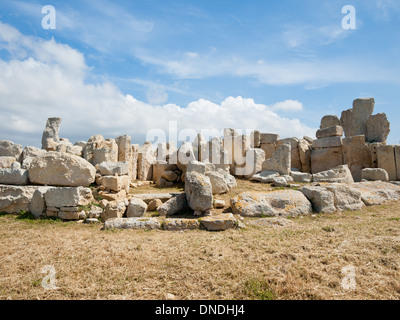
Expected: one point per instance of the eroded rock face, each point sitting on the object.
(136, 208)
(51, 134)
(94, 142)
(173, 206)
(14, 176)
(180, 224)
(387, 160)
(61, 169)
(377, 192)
(378, 128)
(114, 168)
(219, 222)
(13, 199)
(321, 199)
(276, 203)
(280, 160)
(68, 197)
(132, 223)
(10, 149)
(345, 197)
(340, 174)
(357, 155)
(375, 174)
(198, 190)
(329, 121)
(325, 159)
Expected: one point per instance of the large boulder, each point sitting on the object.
(340, 174)
(51, 134)
(115, 183)
(14, 176)
(114, 168)
(61, 169)
(38, 204)
(335, 131)
(276, 203)
(13, 199)
(218, 183)
(265, 176)
(173, 206)
(321, 199)
(198, 189)
(378, 128)
(108, 153)
(325, 159)
(387, 160)
(10, 149)
(375, 174)
(136, 208)
(219, 222)
(94, 142)
(115, 209)
(377, 192)
(329, 121)
(6, 162)
(357, 155)
(345, 197)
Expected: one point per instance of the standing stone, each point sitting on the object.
(374, 152)
(346, 121)
(325, 159)
(134, 161)
(136, 208)
(362, 110)
(397, 160)
(174, 205)
(357, 155)
(51, 134)
(295, 154)
(280, 160)
(200, 148)
(38, 205)
(254, 161)
(378, 128)
(305, 155)
(387, 161)
(145, 166)
(329, 121)
(126, 154)
(218, 156)
(321, 199)
(198, 191)
(94, 142)
(255, 139)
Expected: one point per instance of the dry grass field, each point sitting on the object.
(302, 260)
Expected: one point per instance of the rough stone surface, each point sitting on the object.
(378, 128)
(280, 160)
(340, 174)
(329, 121)
(321, 199)
(305, 155)
(113, 210)
(108, 153)
(255, 139)
(10, 149)
(269, 149)
(61, 169)
(196, 166)
(198, 190)
(268, 138)
(94, 143)
(387, 161)
(279, 182)
(13, 199)
(18, 177)
(51, 133)
(154, 205)
(346, 197)
(132, 223)
(145, 166)
(218, 183)
(325, 159)
(219, 222)
(375, 174)
(276, 203)
(377, 192)
(219, 204)
(330, 142)
(114, 168)
(68, 197)
(357, 155)
(180, 224)
(335, 131)
(136, 208)
(184, 156)
(265, 176)
(38, 205)
(115, 183)
(6, 162)
(301, 177)
(148, 197)
(173, 206)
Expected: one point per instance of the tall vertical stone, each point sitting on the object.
(397, 159)
(280, 160)
(387, 161)
(51, 134)
(329, 121)
(357, 155)
(94, 142)
(378, 128)
(255, 139)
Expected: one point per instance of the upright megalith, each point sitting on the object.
(280, 160)
(51, 134)
(378, 128)
(329, 121)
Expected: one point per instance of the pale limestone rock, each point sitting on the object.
(219, 222)
(301, 177)
(11, 176)
(132, 223)
(196, 166)
(113, 210)
(265, 176)
(173, 206)
(378, 128)
(180, 224)
(279, 182)
(108, 153)
(339, 174)
(198, 190)
(94, 143)
(276, 203)
(357, 155)
(329, 121)
(6, 162)
(335, 131)
(345, 197)
(38, 204)
(305, 155)
(115, 183)
(51, 134)
(219, 204)
(269, 149)
(330, 142)
(114, 168)
(61, 169)
(146, 161)
(325, 159)
(68, 197)
(218, 183)
(321, 199)
(268, 138)
(375, 174)
(387, 161)
(280, 160)
(154, 205)
(255, 139)
(136, 208)
(377, 192)
(10, 149)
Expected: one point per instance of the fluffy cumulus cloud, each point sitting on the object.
(41, 79)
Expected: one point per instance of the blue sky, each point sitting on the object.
(116, 67)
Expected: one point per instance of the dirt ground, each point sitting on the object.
(302, 260)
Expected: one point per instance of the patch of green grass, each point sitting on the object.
(25, 215)
(257, 289)
(394, 219)
(328, 229)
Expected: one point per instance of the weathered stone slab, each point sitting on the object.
(340, 174)
(329, 121)
(113, 210)
(94, 142)
(147, 197)
(330, 142)
(265, 176)
(38, 205)
(198, 189)
(51, 134)
(115, 183)
(301, 177)
(6, 162)
(114, 168)
(136, 208)
(325, 159)
(280, 160)
(180, 224)
(219, 222)
(268, 138)
(321, 199)
(255, 139)
(132, 223)
(13, 199)
(357, 155)
(377, 192)
(378, 128)
(173, 206)
(387, 161)
(276, 203)
(335, 131)
(305, 155)
(10, 149)
(345, 197)
(269, 149)
(18, 177)
(108, 153)
(68, 197)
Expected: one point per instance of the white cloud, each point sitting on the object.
(49, 81)
(288, 105)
